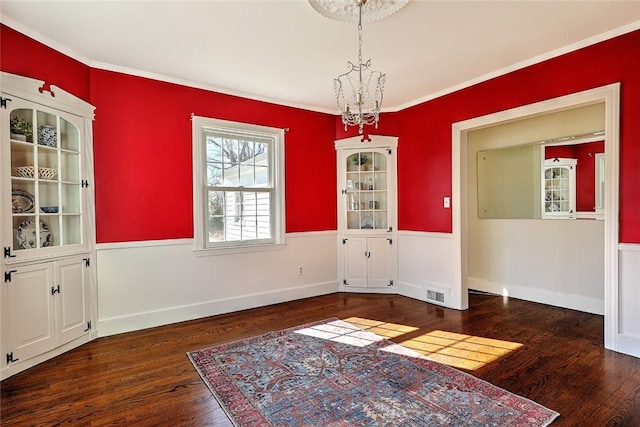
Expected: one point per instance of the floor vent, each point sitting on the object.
(435, 296)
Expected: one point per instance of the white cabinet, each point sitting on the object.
(559, 188)
(27, 312)
(368, 262)
(47, 306)
(47, 222)
(367, 213)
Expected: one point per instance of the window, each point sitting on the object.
(238, 184)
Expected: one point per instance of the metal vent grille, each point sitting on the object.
(437, 297)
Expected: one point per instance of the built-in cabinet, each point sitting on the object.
(367, 255)
(559, 188)
(47, 306)
(47, 222)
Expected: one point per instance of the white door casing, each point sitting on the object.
(610, 95)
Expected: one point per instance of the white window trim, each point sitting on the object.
(200, 226)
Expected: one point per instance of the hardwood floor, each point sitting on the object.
(145, 377)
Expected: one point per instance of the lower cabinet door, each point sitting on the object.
(72, 310)
(29, 319)
(355, 262)
(368, 262)
(380, 262)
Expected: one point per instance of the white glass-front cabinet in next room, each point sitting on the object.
(367, 213)
(559, 188)
(47, 221)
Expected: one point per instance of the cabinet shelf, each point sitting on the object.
(53, 153)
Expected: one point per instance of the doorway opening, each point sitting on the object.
(609, 95)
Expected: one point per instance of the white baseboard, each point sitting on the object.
(419, 292)
(574, 302)
(151, 319)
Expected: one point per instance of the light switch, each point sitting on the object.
(447, 202)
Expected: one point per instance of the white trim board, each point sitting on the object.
(137, 321)
(542, 296)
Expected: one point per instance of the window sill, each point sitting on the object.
(239, 249)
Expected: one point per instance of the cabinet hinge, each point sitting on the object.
(389, 230)
(388, 150)
(88, 326)
(7, 275)
(3, 102)
(7, 252)
(390, 241)
(10, 358)
(55, 290)
(84, 183)
(344, 282)
(87, 262)
(390, 283)
(344, 241)
(344, 191)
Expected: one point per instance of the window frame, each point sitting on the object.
(201, 126)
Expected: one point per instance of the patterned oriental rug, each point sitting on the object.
(332, 373)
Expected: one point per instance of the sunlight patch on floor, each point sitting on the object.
(384, 329)
(356, 331)
(460, 350)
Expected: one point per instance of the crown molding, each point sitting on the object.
(29, 32)
(197, 85)
(523, 64)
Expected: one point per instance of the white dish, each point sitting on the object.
(26, 235)
(22, 201)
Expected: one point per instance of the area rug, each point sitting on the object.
(331, 373)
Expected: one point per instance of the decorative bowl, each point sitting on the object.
(49, 209)
(29, 172)
(23, 171)
(47, 173)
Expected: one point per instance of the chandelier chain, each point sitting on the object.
(360, 34)
(360, 101)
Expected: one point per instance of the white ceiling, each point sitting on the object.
(286, 52)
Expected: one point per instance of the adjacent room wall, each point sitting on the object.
(554, 261)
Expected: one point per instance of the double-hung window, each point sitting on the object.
(238, 184)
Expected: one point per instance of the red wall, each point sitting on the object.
(24, 56)
(585, 170)
(143, 156)
(424, 156)
(142, 138)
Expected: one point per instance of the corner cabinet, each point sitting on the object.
(559, 188)
(48, 296)
(367, 255)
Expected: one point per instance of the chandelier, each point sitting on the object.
(359, 91)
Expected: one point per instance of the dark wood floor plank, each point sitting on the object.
(145, 377)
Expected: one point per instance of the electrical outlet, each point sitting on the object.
(447, 202)
(300, 270)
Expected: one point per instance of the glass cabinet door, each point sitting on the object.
(366, 190)
(559, 188)
(46, 199)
